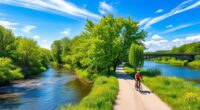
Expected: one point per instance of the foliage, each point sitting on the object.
(6, 42)
(101, 97)
(56, 49)
(8, 71)
(100, 46)
(136, 56)
(23, 52)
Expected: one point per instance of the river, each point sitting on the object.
(177, 71)
(50, 91)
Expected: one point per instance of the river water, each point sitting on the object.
(53, 89)
(177, 71)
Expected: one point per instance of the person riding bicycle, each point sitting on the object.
(138, 78)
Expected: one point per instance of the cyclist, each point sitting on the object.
(138, 78)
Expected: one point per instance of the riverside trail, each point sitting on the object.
(130, 99)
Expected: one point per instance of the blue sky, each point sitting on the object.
(168, 23)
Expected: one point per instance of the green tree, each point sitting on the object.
(57, 50)
(6, 42)
(136, 56)
(28, 56)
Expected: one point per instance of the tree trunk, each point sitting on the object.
(114, 66)
(108, 71)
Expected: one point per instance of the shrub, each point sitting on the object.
(8, 71)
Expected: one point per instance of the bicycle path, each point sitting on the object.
(130, 99)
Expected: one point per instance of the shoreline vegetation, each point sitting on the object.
(176, 92)
(178, 62)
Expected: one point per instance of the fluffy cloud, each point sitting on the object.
(66, 32)
(105, 8)
(28, 28)
(156, 37)
(36, 37)
(61, 7)
(8, 24)
(184, 6)
(189, 39)
(159, 11)
(163, 44)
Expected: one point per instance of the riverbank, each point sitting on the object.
(102, 95)
(176, 92)
(178, 62)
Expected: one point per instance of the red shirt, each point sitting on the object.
(138, 75)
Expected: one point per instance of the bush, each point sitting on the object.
(102, 96)
(8, 71)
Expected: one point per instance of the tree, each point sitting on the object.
(6, 42)
(57, 49)
(136, 56)
(28, 56)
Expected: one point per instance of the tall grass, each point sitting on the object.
(102, 96)
(178, 93)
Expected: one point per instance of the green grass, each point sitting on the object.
(102, 96)
(149, 72)
(176, 92)
(194, 64)
(172, 61)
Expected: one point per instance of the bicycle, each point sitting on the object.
(138, 86)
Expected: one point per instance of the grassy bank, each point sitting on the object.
(171, 61)
(194, 64)
(101, 97)
(178, 62)
(176, 92)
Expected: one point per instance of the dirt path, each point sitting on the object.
(130, 99)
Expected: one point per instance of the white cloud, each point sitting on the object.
(159, 11)
(156, 37)
(179, 27)
(169, 26)
(184, 6)
(186, 40)
(105, 8)
(66, 32)
(36, 37)
(163, 44)
(28, 28)
(143, 21)
(8, 24)
(61, 7)
(44, 41)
